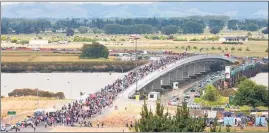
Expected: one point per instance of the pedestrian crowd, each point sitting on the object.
(80, 111)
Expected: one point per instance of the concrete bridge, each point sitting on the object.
(175, 74)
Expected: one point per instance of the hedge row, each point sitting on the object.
(35, 92)
(46, 67)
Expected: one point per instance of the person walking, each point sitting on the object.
(34, 126)
(98, 124)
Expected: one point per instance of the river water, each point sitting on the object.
(58, 82)
(261, 78)
(84, 82)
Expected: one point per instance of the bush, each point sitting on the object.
(239, 49)
(211, 93)
(3, 38)
(194, 47)
(219, 48)
(33, 92)
(14, 40)
(82, 39)
(212, 48)
(232, 48)
(266, 50)
(39, 37)
(188, 47)
(180, 39)
(23, 42)
(226, 48)
(182, 47)
(232, 43)
(227, 92)
(122, 39)
(194, 39)
(94, 50)
(247, 49)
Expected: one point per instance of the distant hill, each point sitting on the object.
(161, 9)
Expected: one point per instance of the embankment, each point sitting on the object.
(47, 67)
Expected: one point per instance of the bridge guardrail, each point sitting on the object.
(154, 75)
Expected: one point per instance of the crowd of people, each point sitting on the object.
(80, 111)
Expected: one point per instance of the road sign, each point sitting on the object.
(11, 112)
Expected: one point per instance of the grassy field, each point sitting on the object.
(219, 102)
(11, 56)
(257, 48)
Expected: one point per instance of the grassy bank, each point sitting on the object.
(46, 67)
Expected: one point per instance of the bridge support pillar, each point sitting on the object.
(156, 85)
(185, 72)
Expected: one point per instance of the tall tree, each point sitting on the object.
(215, 26)
(172, 29)
(94, 50)
(193, 27)
(69, 32)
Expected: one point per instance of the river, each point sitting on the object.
(261, 78)
(69, 83)
(84, 82)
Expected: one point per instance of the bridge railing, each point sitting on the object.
(169, 67)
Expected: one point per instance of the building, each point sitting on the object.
(234, 39)
(38, 43)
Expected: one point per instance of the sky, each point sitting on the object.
(108, 3)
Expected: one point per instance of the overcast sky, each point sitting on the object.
(109, 3)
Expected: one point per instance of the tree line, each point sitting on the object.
(35, 92)
(188, 25)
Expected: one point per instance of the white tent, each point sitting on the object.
(83, 97)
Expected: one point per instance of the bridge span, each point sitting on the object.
(176, 73)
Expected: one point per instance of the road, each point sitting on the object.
(183, 90)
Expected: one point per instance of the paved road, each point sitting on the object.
(180, 92)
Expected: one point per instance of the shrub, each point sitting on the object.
(211, 93)
(33, 92)
(239, 49)
(189, 47)
(3, 38)
(39, 37)
(23, 42)
(176, 47)
(194, 47)
(14, 40)
(247, 49)
(182, 47)
(194, 39)
(180, 39)
(82, 39)
(212, 48)
(266, 50)
(226, 48)
(232, 43)
(94, 50)
(219, 48)
(122, 39)
(232, 48)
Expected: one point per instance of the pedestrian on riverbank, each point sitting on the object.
(98, 124)
(34, 127)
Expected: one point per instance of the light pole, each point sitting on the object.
(135, 37)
